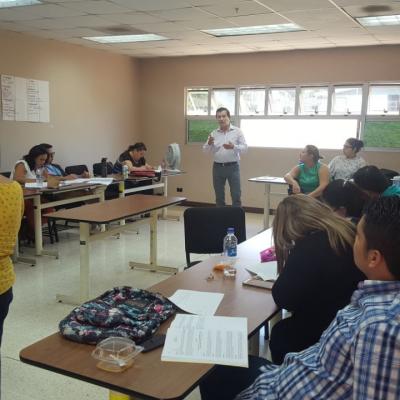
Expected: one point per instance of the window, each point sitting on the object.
(293, 133)
(197, 102)
(313, 101)
(384, 100)
(223, 98)
(252, 101)
(347, 100)
(281, 101)
(291, 117)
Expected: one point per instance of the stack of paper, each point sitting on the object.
(208, 340)
(266, 271)
(34, 185)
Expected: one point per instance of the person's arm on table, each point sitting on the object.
(291, 177)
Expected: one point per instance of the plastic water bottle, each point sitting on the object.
(125, 171)
(230, 244)
(39, 177)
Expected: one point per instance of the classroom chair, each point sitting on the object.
(205, 229)
(97, 168)
(76, 169)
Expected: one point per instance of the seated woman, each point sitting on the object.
(133, 158)
(55, 169)
(310, 176)
(344, 166)
(317, 273)
(374, 183)
(24, 169)
(345, 198)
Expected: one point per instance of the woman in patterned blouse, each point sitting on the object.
(344, 166)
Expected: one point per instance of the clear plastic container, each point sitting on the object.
(115, 354)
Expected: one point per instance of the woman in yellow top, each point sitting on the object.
(11, 210)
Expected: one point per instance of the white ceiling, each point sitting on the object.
(326, 23)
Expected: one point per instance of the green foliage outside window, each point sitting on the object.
(198, 130)
(384, 134)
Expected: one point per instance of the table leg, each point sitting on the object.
(267, 205)
(121, 194)
(16, 258)
(84, 233)
(37, 215)
(164, 212)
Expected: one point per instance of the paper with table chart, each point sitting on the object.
(267, 271)
(207, 340)
(194, 302)
(34, 185)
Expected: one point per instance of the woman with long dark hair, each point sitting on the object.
(24, 170)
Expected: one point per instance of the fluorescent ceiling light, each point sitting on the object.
(17, 3)
(126, 38)
(253, 30)
(379, 20)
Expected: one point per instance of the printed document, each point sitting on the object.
(267, 271)
(194, 302)
(207, 340)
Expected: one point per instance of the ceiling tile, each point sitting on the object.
(181, 14)
(133, 18)
(358, 11)
(259, 19)
(296, 5)
(163, 27)
(150, 5)
(235, 8)
(96, 7)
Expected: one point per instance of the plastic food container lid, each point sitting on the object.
(116, 354)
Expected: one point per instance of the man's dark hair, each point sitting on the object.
(342, 193)
(371, 178)
(139, 146)
(382, 230)
(221, 109)
(47, 146)
(34, 152)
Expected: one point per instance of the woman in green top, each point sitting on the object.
(310, 176)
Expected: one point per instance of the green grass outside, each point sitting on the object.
(198, 130)
(382, 134)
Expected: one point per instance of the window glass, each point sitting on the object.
(198, 130)
(382, 134)
(347, 100)
(313, 101)
(323, 133)
(281, 101)
(223, 98)
(252, 101)
(197, 102)
(384, 100)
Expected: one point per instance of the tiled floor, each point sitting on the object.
(35, 314)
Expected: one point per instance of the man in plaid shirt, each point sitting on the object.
(358, 356)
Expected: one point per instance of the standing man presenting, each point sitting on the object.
(226, 143)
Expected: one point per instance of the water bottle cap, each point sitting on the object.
(231, 230)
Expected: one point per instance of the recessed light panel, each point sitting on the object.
(253, 30)
(379, 20)
(126, 38)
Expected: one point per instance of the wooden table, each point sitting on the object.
(105, 213)
(151, 378)
(94, 192)
(267, 181)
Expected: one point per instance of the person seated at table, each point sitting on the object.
(317, 277)
(133, 157)
(55, 169)
(358, 356)
(310, 176)
(26, 168)
(11, 210)
(345, 198)
(344, 166)
(374, 183)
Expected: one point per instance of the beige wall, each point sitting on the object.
(162, 83)
(93, 100)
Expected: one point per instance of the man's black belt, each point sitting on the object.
(225, 164)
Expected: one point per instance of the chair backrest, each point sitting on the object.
(205, 228)
(76, 169)
(389, 173)
(7, 174)
(97, 168)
